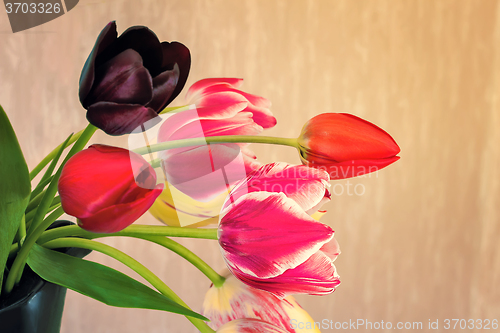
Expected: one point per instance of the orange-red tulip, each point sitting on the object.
(345, 145)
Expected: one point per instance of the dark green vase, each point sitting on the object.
(35, 305)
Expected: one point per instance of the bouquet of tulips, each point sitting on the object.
(191, 168)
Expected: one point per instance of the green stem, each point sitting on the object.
(156, 236)
(216, 139)
(52, 165)
(13, 249)
(21, 232)
(131, 231)
(185, 253)
(39, 188)
(18, 264)
(29, 215)
(156, 163)
(131, 263)
(35, 202)
(51, 155)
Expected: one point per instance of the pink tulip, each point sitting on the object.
(204, 172)
(269, 241)
(249, 326)
(107, 188)
(218, 98)
(235, 300)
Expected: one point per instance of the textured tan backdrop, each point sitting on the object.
(421, 243)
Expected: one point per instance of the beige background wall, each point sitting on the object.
(421, 243)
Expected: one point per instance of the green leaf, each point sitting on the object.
(100, 282)
(50, 169)
(15, 188)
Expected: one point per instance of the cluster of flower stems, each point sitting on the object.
(43, 201)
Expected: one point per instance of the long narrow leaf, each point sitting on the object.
(52, 189)
(39, 188)
(100, 282)
(15, 188)
(50, 169)
(51, 155)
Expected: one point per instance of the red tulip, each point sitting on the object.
(345, 145)
(107, 188)
(267, 238)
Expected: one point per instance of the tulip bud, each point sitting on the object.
(345, 145)
(127, 81)
(107, 188)
(235, 300)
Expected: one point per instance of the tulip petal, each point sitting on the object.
(198, 87)
(117, 217)
(177, 121)
(193, 127)
(249, 242)
(163, 88)
(262, 116)
(78, 176)
(220, 111)
(316, 276)
(351, 168)
(331, 249)
(119, 119)
(107, 36)
(222, 99)
(236, 300)
(346, 137)
(249, 326)
(107, 188)
(176, 53)
(208, 159)
(217, 167)
(256, 100)
(177, 209)
(223, 94)
(240, 124)
(250, 160)
(123, 80)
(142, 40)
(306, 186)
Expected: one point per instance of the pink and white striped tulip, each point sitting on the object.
(249, 326)
(235, 300)
(204, 172)
(270, 242)
(219, 98)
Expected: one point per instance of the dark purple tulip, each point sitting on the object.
(127, 80)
